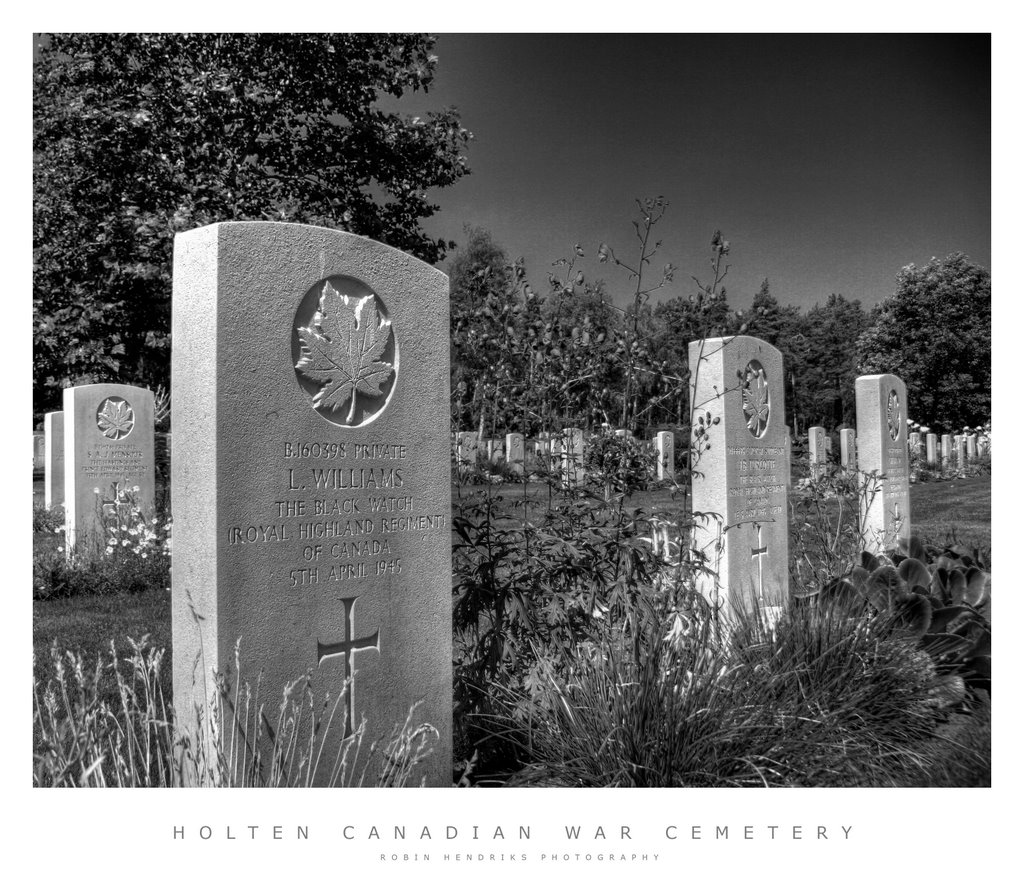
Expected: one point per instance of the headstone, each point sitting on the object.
(848, 449)
(38, 453)
(932, 449)
(572, 456)
(947, 450)
(53, 488)
(961, 452)
(742, 476)
(828, 446)
(311, 496)
(623, 432)
(816, 447)
(972, 446)
(882, 452)
(109, 464)
(466, 447)
(514, 453)
(664, 442)
(496, 450)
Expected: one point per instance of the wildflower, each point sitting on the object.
(96, 489)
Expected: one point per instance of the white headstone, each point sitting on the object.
(882, 452)
(932, 448)
(816, 447)
(947, 450)
(466, 447)
(514, 452)
(53, 430)
(109, 464)
(664, 442)
(572, 455)
(311, 492)
(848, 448)
(742, 476)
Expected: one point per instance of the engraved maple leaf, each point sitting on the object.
(340, 350)
(894, 415)
(755, 403)
(116, 419)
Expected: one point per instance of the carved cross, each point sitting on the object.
(347, 648)
(758, 553)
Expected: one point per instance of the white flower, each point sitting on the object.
(96, 489)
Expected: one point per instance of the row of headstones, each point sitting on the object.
(99, 465)
(955, 448)
(553, 451)
(311, 486)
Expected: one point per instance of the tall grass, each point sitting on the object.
(84, 740)
(819, 700)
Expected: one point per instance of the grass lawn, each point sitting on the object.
(940, 510)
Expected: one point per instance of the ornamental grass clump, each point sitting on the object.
(819, 699)
(83, 739)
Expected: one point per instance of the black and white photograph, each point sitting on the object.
(471, 412)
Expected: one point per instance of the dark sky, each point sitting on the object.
(829, 162)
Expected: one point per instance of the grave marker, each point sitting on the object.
(947, 450)
(467, 444)
(53, 430)
(311, 493)
(572, 455)
(816, 447)
(665, 444)
(514, 452)
(848, 449)
(972, 446)
(742, 476)
(932, 446)
(38, 453)
(108, 452)
(882, 451)
(960, 444)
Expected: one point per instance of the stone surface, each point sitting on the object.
(467, 444)
(817, 452)
(665, 444)
(739, 484)
(109, 465)
(572, 455)
(848, 448)
(931, 448)
(882, 453)
(38, 453)
(53, 483)
(972, 446)
(947, 449)
(960, 445)
(311, 520)
(515, 452)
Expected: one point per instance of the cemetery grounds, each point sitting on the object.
(580, 657)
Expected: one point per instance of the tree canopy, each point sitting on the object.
(935, 333)
(140, 136)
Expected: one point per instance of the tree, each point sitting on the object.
(783, 328)
(825, 362)
(935, 333)
(140, 136)
(483, 288)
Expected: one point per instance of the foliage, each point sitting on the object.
(824, 365)
(135, 555)
(140, 136)
(821, 699)
(84, 740)
(935, 333)
(941, 599)
(619, 464)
